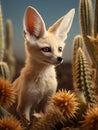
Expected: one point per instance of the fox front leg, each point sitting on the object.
(23, 110)
(26, 103)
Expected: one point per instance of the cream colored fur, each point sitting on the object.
(37, 81)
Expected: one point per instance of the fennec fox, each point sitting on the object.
(37, 81)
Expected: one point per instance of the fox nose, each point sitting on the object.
(59, 59)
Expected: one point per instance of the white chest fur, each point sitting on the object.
(43, 82)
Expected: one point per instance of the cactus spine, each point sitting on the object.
(9, 58)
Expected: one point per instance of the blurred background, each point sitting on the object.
(51, 11)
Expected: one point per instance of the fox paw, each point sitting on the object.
(25, 121)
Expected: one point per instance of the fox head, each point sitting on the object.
(45, 46)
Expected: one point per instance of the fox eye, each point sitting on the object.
(46, 49)
(60, 49)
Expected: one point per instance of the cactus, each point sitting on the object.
(66, 102)
(86, 17)
(64, 110)
(84, 77)
(50, 121)
(96, 19)
(4, 113)
(86, 27)
(1, 36)
(4, 71)
(78, 46)
(91, 119)
(10, 124)
(77, 43)
(9, 58)
(7, 93)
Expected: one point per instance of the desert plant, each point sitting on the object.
(4, 70)
(91, 119)
(83, 73)
(65, 108)
(1, 36)
(77, 43)
(4, 113)
(86, 27)
(10, 123)
(66, 102)
(84, 81)
(7, 93)
(51, 120)
(96, 19)
(9, 58)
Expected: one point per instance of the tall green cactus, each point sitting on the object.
(4, 70)
(96, 19)
(86, 27)
(86, 24)
(1, 36)
(9, 58)
(77, 43)
(84, 81)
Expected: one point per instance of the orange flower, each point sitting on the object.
(66, 103)
(10, 124)
(91, 119)
(7, 93)
(52, 118)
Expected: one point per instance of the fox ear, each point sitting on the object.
(33, 23)
(63, 25)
